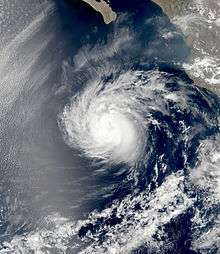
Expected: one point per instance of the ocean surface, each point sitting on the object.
(106, 144)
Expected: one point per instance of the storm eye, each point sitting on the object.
(107, 123)
(115, 133)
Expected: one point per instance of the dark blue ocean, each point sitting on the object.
(56, 197)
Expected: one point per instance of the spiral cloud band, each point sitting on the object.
(106, 122)
(109, 120)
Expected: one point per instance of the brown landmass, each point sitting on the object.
(203, 39)
(104, 8)
(201, 32)
(173, 7)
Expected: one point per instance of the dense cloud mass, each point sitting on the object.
(107, 145)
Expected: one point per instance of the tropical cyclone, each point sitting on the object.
(104, 8)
